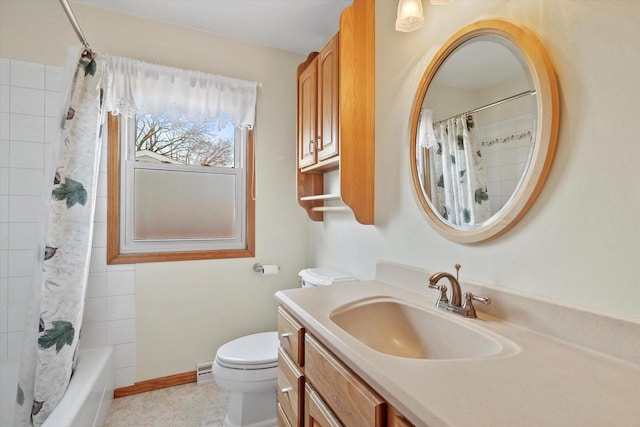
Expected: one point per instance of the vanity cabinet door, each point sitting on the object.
(307, 111)
(350, 399)
(395, 419)
(283, 421)
(328, 106)
(290, 389)
(318, 414)
(291, 335)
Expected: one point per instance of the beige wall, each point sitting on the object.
(186, 310)
(578, 244)
(580, 241)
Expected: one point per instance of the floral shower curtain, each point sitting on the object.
(459, 181)
(57, 303)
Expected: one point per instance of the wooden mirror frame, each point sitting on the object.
(544, 147)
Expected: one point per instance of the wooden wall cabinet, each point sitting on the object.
(336, 118)
(307, 112)
(318, 114)
(319, 390)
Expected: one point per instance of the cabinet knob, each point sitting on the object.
(286, 390)
(311, 146)
(285, 335)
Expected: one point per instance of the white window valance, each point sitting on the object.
(135, 87)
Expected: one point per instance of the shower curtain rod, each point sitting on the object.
(493, 104)
(74, 23)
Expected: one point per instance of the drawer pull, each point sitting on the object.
(285, 335)
(286, 390)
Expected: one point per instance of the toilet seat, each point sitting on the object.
(251, 352)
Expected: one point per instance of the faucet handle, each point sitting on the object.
(443, 293)
(484, 300)
(469, 309)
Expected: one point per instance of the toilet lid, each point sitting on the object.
(257, 351)
(323, 276)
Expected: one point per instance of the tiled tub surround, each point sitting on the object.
(570, 366)
(29, 103)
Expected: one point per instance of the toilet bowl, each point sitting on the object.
(247, 367)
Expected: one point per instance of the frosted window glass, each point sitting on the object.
(183, 205)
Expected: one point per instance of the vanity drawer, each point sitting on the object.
(318, 414)
(290, 388)
(350, 399)
(291, 335)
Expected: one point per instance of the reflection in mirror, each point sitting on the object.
(484, 127)
(476, 130)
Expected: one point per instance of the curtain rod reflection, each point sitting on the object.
(493, 104)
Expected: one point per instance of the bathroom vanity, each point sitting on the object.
(328, 391)
(341, 364)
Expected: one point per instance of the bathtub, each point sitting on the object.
(87, 400)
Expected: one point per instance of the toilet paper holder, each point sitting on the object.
(259, 268)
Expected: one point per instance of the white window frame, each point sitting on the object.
(131, 245)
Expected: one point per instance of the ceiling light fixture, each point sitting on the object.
(409, 16)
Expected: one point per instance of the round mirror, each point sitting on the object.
(484, 127)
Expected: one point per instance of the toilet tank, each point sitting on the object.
(310, 277)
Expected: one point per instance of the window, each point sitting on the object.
(179, 189)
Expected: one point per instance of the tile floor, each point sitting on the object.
(187, 405)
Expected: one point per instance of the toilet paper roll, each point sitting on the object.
(268, 270)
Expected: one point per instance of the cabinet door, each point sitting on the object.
(350, 399)
(307, 110)
(328, 107)
(283, 421)
(318, 414)
(395, 419)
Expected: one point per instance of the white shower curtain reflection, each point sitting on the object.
(56, 305)
(458, 178)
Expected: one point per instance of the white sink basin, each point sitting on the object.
(399, 329)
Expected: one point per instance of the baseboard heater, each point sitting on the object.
(204, 373)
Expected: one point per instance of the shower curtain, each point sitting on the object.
(459, 181)
(56, 306)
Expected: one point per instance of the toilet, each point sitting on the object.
(247, 367)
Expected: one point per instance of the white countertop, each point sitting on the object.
(537, 381)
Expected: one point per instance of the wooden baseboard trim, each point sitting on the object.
(155, 384)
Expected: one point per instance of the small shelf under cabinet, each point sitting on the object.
(321, 197)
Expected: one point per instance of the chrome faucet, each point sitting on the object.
(455, 304)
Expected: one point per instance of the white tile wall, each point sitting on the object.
(30, 98)
(504, 162)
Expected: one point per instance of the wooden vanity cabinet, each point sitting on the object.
(316, 389)
(290, 392)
